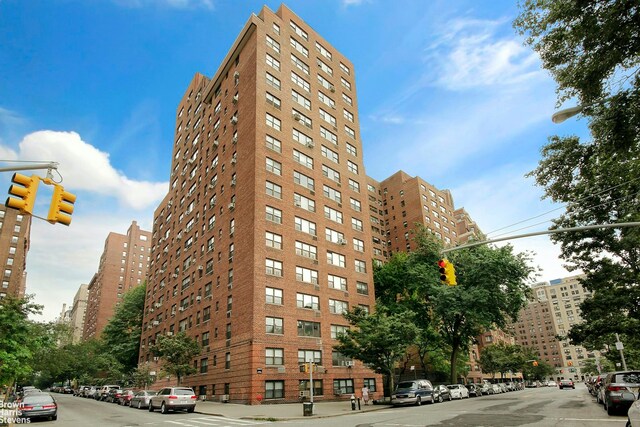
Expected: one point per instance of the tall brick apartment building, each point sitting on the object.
(15, 230)
(123, 265)
(263, 239)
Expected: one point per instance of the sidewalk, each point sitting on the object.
(283, 411)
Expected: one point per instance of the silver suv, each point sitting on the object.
(173, 398)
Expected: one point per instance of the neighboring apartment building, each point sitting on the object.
(78, 312)
(263, 240)
(15, 229)
(123, 265)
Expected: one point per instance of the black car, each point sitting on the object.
(441, 393)
(113, 395)
(38, 405)
(475, 390)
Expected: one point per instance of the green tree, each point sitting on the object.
(141, 376)
(121, 336)
(379, 339)
(178, 352)
(492, 288)
(592, 49)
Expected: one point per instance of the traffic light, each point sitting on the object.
(570, 363)
(25, 192)
(61, 206)
(447, 272)
(535, 363)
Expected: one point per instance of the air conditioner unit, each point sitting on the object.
(156, 323)
(348, 363)
(211, 186)
(297, 116)
(233, 182)
(234, 139)
(215, 143)
(332, 89)
(179, 236)
(310, 144)
(175, 275)
(212, 203)
(198, 298)
(155, 358)
(234, 161)
(209, 297)
(224, 398)
(234, 120)
(200, 267)
(183, 173)
(298, 204)
(169, 204)
(232, 206)
(235, 98)
(158, 304)
(165, 250)
(191, 161)
(143, 346)
(169, 333)
(182, 309)
(236, 74)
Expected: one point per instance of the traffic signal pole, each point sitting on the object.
(49, 166)
(541, 233)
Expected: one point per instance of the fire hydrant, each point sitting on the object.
(353, 402)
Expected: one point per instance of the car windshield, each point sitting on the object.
(628, 377)
(407, 384)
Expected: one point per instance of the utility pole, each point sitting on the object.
(620, 347)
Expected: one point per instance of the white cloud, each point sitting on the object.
(84, 167)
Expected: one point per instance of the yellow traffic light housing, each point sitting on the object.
(535, 363)
(447, 272)
(61, 206)
(25, 192)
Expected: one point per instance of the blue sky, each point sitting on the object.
(446, 91)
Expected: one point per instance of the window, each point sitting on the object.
(370, 383)
(311, 302)
(273, 81)
(299, 64)
(274, 190)
(305, 226)
(334, 236)
(273, 62)
(328, 135)
(273, 100)
(324, 52)
(274, 166)
(332, 174)
(325, 83)
(308, 329)
(337, 330)
(274, 356)
(336, 259)
(273, 296)
(337, 282)
(303, 159)
(326, 100)
(204, 365)
(329, 154)
(275, 325)
(345, 84)
(346, 98)
(352, 167)
(362, 288)
(355, 204)
(351, 150)
(338, 307)
(358, 245)
(273, 122)
(350, 132)
(306, 356)
(302, 138)
(273, 44)
(273, 240)
(347, 115)
(333, 214)
(306, 275)
(342, 386)
(273, 214)
(306, 250)
(324, 67)
(345, 69)
(273, 144)
(304, 180)
(328, 117)
(299, 31)
(274, 389)
(273, 267)
(301, 118)
(300, 81)
(299, 47)
(304, 202)
(356, 224)
(354, 185)
(300, 99)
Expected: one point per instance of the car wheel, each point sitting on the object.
(440, 399)
(139, 404)
(54, 417)
(150, 407)
(418, 401)
(190, 410)
(610, 409)
(163, 409)
(449, 398)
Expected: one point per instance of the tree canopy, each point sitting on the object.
(178, 352)
(592, 49)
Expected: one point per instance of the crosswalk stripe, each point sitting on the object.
(227, 420)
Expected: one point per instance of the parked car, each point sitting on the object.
(79, 390)
(113, 396)
(458, 391)
(102, 392)
(141, 399)
(413, 392)
(485, 387)
(496, 388)
(597, 387)
(614, 385)
(90, 392)
(441, 393)
(566, 384)
(67, 390)
(475, 390)
(38, 405)
(173, 398)
(552, 384)
(125, 397)
(633, 414)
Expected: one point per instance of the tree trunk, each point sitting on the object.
(454, 359)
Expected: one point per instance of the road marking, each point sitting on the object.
(225, 420)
